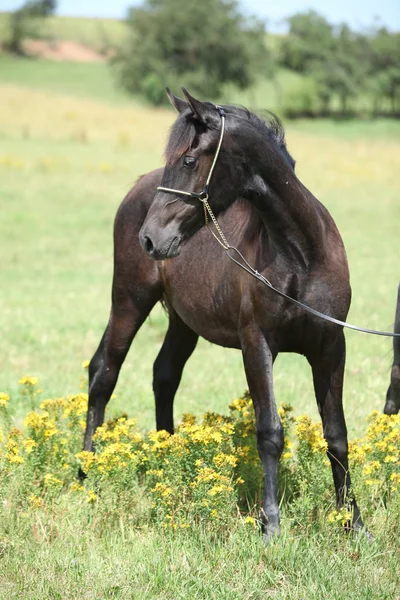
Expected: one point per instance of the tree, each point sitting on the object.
(336, 58)
(309, 42)
(201, 45)
(24, 21)
(385, 67)
(344, 72)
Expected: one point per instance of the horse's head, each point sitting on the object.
(192, 147)
(212, 153)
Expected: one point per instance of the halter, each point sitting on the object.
(203, 197)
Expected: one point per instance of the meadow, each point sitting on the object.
(70, 149)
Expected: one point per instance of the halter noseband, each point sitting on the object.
(203, 195)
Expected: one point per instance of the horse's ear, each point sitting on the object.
(176, 102)
(201, 111)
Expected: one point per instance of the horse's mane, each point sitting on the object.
(184, 130)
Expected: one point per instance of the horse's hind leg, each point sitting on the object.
(392, 406)
(328, 372)
(178, 345)
(125, 321)
(258, 362)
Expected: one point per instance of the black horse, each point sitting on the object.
(281, 229)
(392, 406)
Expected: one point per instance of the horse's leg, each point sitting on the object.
(178, 345)
(258, 363)
(125, 321)
(392, 406)
(328, 372)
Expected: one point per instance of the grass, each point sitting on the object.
(129, 564)
(99, 34)
(87, 80)
(68, 155)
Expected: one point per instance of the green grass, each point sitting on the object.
(100, 34)
(88, 80)
(60, 561)
(66, 161)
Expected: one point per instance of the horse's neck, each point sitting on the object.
(295, 220)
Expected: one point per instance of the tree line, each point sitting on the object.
(341, 71)
(346, 72)
(209, 44)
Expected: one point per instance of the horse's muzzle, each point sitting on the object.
(160, 250)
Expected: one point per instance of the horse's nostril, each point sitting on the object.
(148, 245)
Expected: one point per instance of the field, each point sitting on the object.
(70, 148)
(99, 34)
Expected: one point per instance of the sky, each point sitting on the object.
(359, 14)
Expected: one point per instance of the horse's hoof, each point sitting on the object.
(81, 475)
(364, 534)
(390, 408)
(270, 533)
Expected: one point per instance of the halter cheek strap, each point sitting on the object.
(203, 195)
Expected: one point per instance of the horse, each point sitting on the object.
(281, 229)
(392, 405)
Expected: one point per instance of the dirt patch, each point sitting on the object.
(62, 50)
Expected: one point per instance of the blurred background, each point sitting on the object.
(302, 59)
(83, 113)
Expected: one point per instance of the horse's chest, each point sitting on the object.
(206, 304)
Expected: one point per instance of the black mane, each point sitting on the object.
(184, 130)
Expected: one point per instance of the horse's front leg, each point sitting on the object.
(328, 373)
(258, 363)
(178, 346)
(125, 320)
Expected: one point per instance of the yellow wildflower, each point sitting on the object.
(29, 444)
(51, 481)
(85, 364)
(87, 459)
(218, 489)
(28, 380)
(342, 516)
(76, 487)
(390, 459)
(4, 399)
(36, 501)
(15, 459)
(163, 490)
(188, 419)
(370, 467)
(222, 459)
(373, 481)
(91, 497)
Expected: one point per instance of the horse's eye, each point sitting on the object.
(189, 161)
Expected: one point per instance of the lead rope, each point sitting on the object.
(249, 269)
